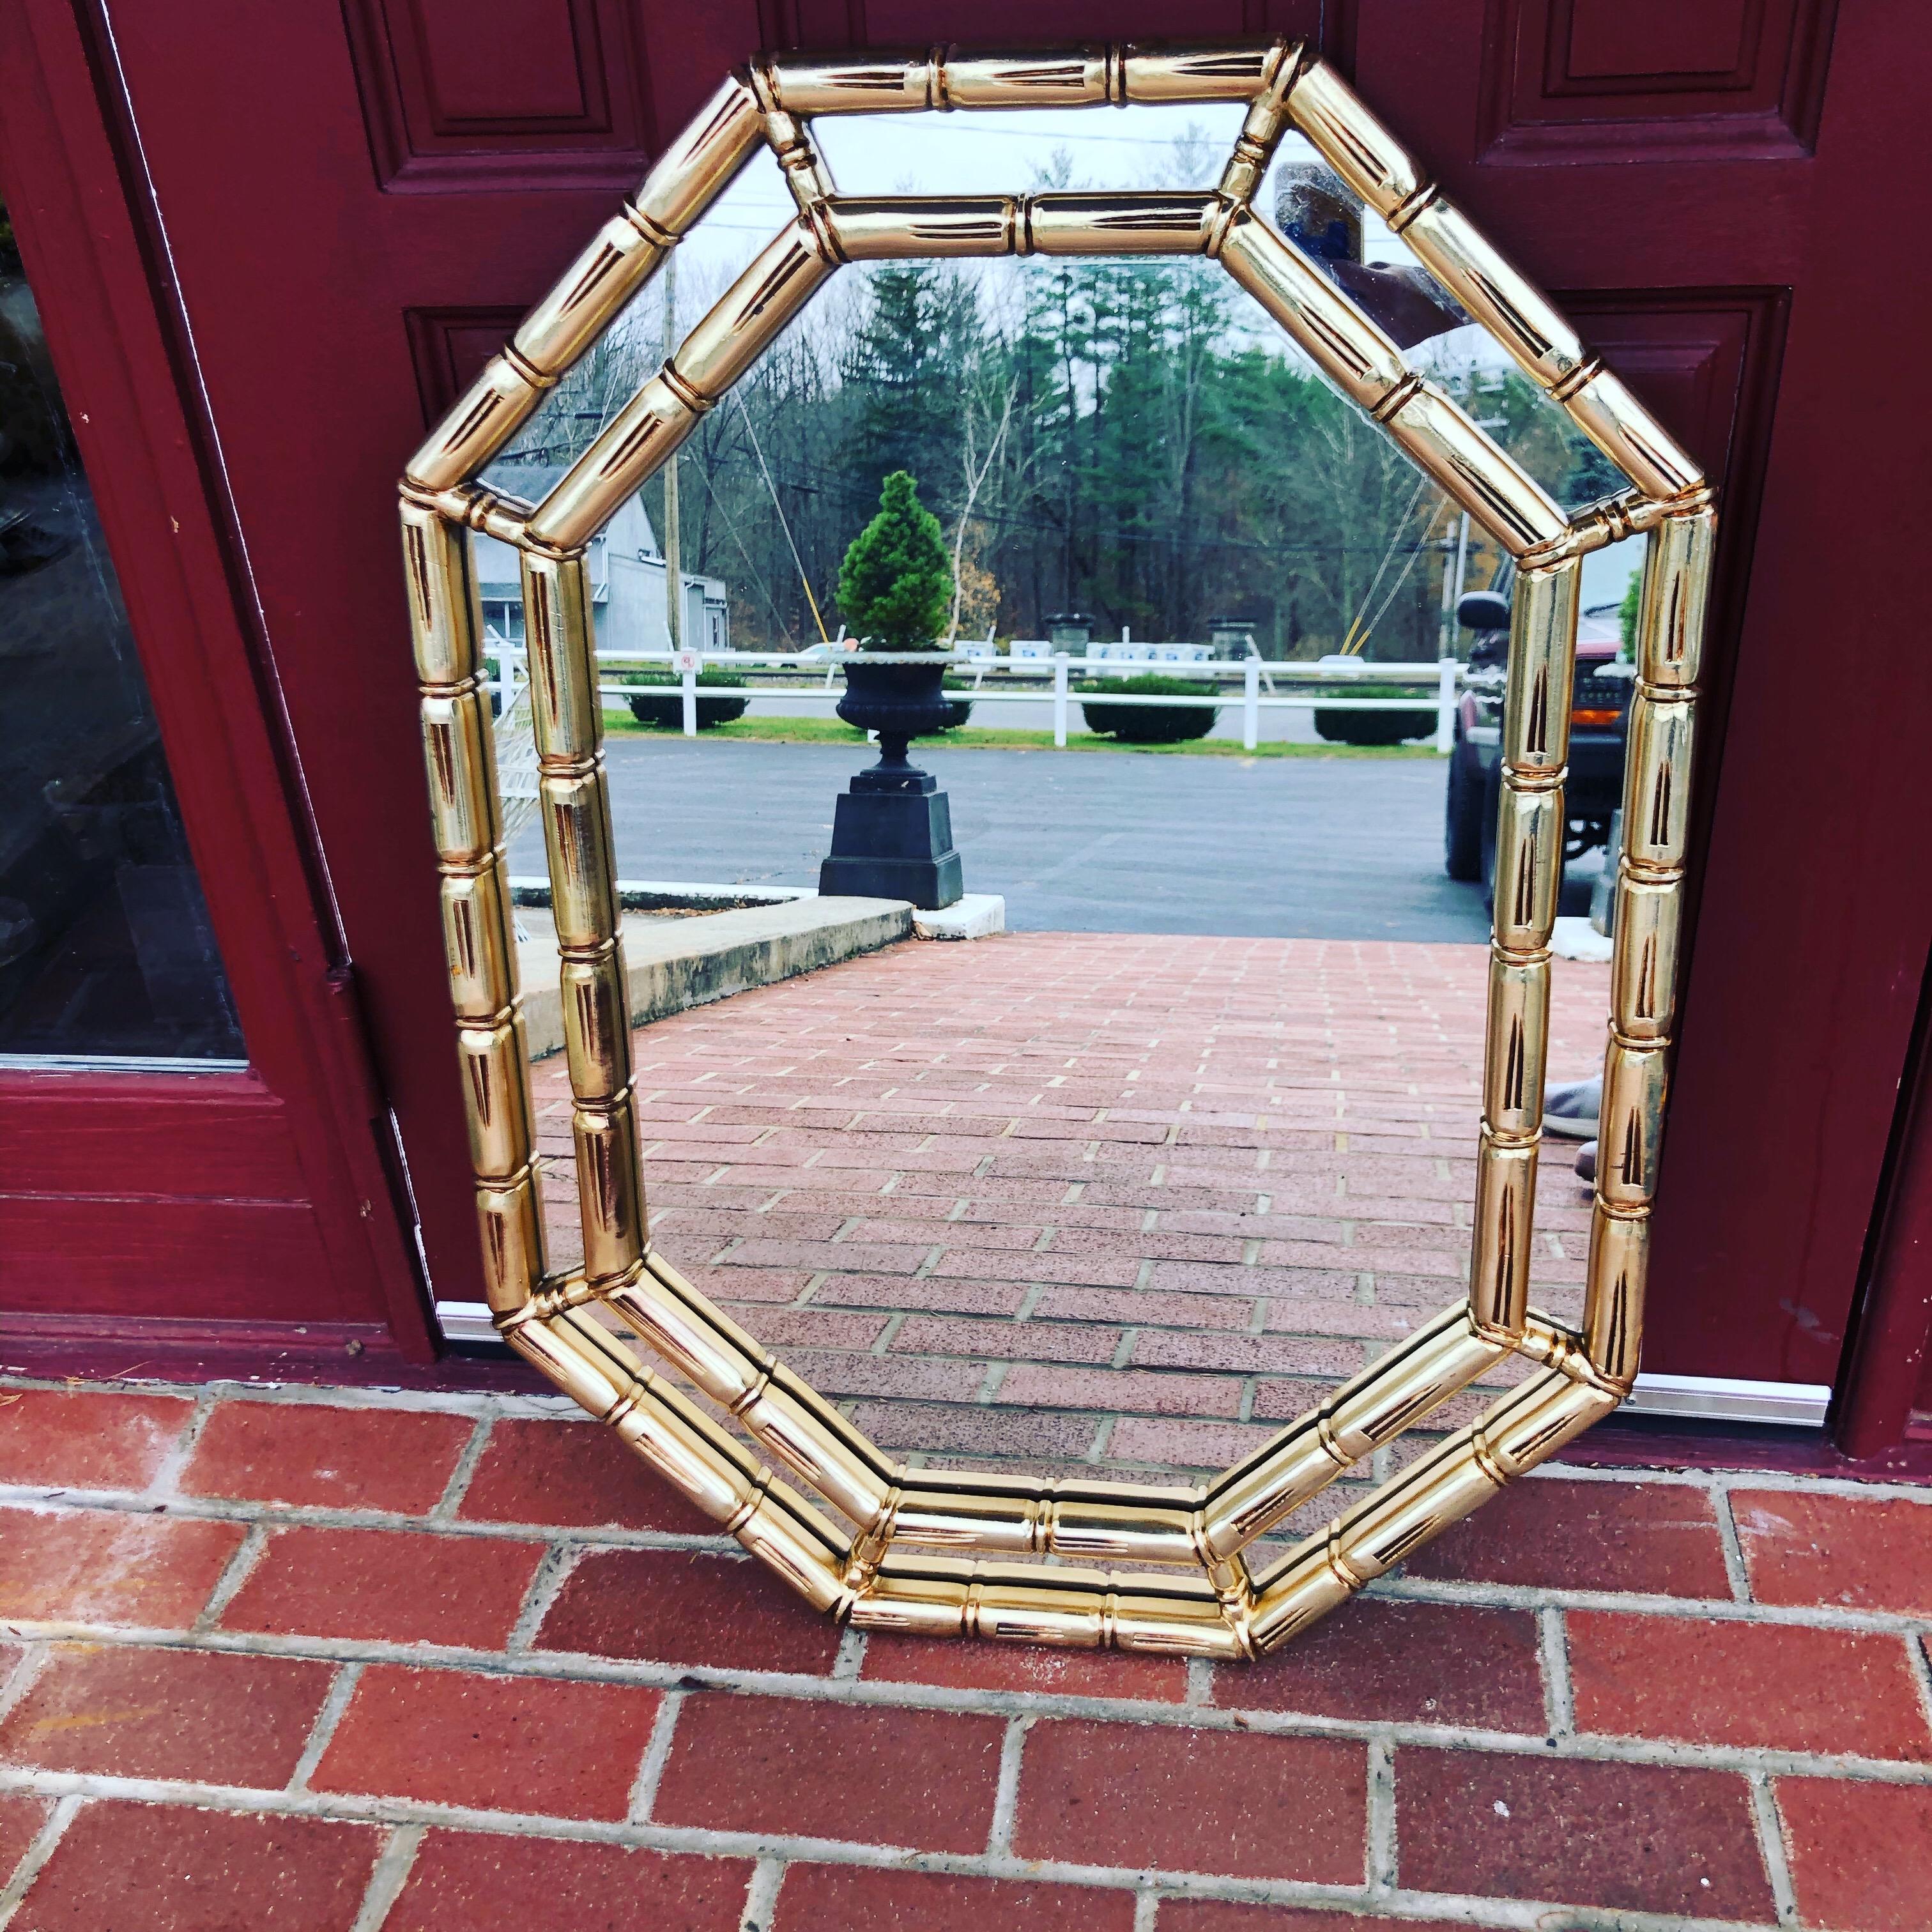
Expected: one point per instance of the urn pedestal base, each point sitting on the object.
(892, 838)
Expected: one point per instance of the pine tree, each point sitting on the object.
(895, 585)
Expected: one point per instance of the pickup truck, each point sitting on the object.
(1599, 724)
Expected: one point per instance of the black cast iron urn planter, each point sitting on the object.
(892, 832)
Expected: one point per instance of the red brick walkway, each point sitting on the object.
(335, 1661)
(1087, 1199)
(328, 1662)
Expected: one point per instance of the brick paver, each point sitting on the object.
(341, 1660)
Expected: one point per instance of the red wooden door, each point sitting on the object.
(357, 196)
(160, 1211)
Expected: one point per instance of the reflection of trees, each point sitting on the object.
(1124, 437)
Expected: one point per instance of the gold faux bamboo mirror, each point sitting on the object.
(889, 1546)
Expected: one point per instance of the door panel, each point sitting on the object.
(1708, 188)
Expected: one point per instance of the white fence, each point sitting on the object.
(1289, 687)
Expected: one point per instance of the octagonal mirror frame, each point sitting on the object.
(887, 1547)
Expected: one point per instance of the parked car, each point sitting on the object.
(1599, 725)
(815, 657)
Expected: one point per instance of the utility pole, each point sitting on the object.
(673, 551)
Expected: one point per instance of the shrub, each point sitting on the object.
(895, 584)
(662, 703)
(1376, 727)
(1151, 724)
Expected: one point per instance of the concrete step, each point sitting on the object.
(671, 964)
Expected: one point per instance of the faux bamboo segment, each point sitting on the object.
(596, 1024)
(691, 1335)
(1542, 669)
(792, 1421)
(509, 1221)
(456, 753)
(1499, 1244)
(445, 620)
(891, 228)
(595, 286)
(495, 407)
(1632, 1130)
(576, 811)
(879, 81)
(1517, 1040)
(1643, 971)
(1153, 223)
(1531, 1422)
(1491, 485)
(811, 1438)
(1529, 864)
(1613, 1293)
(1352, 141)
(632, 448)
(1676, 590)
(1159, 72)
(477, 942)
(1373, 1408)
(566, 717)
(1656, 783)
(1071, 1608)
(744, 321)
(1604, 409)
(882, 81)
(699, 165)
(495, 1083)
(1517, 314)
(609, 1187)
(1348, 348)
(1008, 1515)
(1078, 77)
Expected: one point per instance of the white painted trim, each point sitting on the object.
(1721, 1399)
(466, 1321)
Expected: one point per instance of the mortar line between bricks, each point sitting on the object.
(1559, 1696)
(1006, 1790)
(656, 1755)
(387, 1877)
(1771, 1849)
(235, 1573)
(1918, 1661)
(1380, 1828)
(278, 1516)
(1590, 1747)
(166, 1481)
(1728, 1541)
(546, 1581)
(1146, 1904)
(32, 1865)
(457, 1487)
(323, 1729)
(850, 1659)
(24, 1676)
(761, 1895)
(1515, 1914)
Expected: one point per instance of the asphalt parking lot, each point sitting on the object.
(1077, 841)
